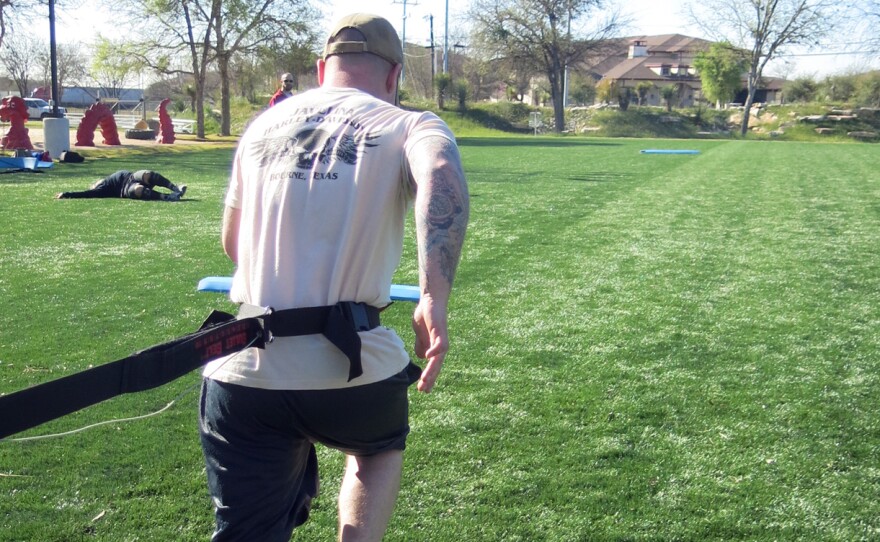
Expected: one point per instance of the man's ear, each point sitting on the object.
(393, 78)
(321, 66)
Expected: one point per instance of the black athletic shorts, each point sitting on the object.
(259, 446)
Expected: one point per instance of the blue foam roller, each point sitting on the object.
(399, 292)
(669, 151)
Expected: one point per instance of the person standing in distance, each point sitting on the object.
(314, 220)
(286, 90)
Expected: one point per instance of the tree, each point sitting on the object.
(461, 92)
(838, 88)
(867, 13)
(764, 28)
(13, 11)
(802, 89)
(8, 11)
(721, 68)
(189, 36)
(443, 84)
(606, 91)
(112, 67)
(71, 65)
(177, 41)
(642, 90)
(19, 56)
(241, 27)
(868, 89)
(545, 34)
(583, 89)
(624, 97)
(669, 93)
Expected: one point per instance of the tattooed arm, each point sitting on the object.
(441, 214)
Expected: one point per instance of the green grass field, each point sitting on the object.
(645, 348)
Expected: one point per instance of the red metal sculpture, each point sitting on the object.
(14, 111)
(97, 114)
(166, 127)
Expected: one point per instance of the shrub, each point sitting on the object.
(802, 89)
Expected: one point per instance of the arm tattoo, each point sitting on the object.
(441, 208)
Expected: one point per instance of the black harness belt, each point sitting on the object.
(339, 323)
(220, 335)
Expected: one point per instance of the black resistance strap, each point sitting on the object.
(220, 335)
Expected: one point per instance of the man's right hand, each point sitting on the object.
(432, 340)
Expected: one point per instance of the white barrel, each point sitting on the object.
(56, 136)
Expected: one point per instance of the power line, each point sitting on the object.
(828, 54)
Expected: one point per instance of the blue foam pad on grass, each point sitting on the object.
(399, 292)
(24, 162)
(669, 151)
(215, 284)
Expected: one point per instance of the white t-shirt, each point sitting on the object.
(322, 183)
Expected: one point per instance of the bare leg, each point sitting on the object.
(367, 496)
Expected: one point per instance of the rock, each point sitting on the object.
(812, 118)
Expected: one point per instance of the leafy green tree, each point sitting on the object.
(443, 86)
(721, 68)
(188, 36)
(802, 89)
(669, 93)
(624, 97)
(583, 90)
(642, 90)
(764, 28)
(868, 89)
(606, 91)
(838, 88)
(545, 34)
(461, 93)
(241, 27)
(113, 66)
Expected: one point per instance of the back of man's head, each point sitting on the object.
(364, 33)
(363, 52)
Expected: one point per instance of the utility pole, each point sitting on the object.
(565, 80)
(403, 41)
(433, 56)
(53, 59)
(446, 42)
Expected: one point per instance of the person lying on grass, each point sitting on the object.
(140, 184)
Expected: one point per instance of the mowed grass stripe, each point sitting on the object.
(645, 347)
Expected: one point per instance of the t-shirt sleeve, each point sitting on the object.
(427, 125)
(233, 192)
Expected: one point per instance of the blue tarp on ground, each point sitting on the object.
(26, 162)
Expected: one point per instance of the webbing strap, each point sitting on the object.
(339, 323)
(220, 335)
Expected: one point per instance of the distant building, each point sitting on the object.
(665, 60)
(84, 97)
(7, 87)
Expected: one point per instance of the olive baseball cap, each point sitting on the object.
(380, 38)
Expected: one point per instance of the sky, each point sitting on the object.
(650, 17)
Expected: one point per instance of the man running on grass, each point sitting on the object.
(314, 219)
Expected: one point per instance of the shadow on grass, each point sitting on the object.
(19, 176)
(601, 177)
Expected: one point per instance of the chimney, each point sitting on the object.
(638, 49)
